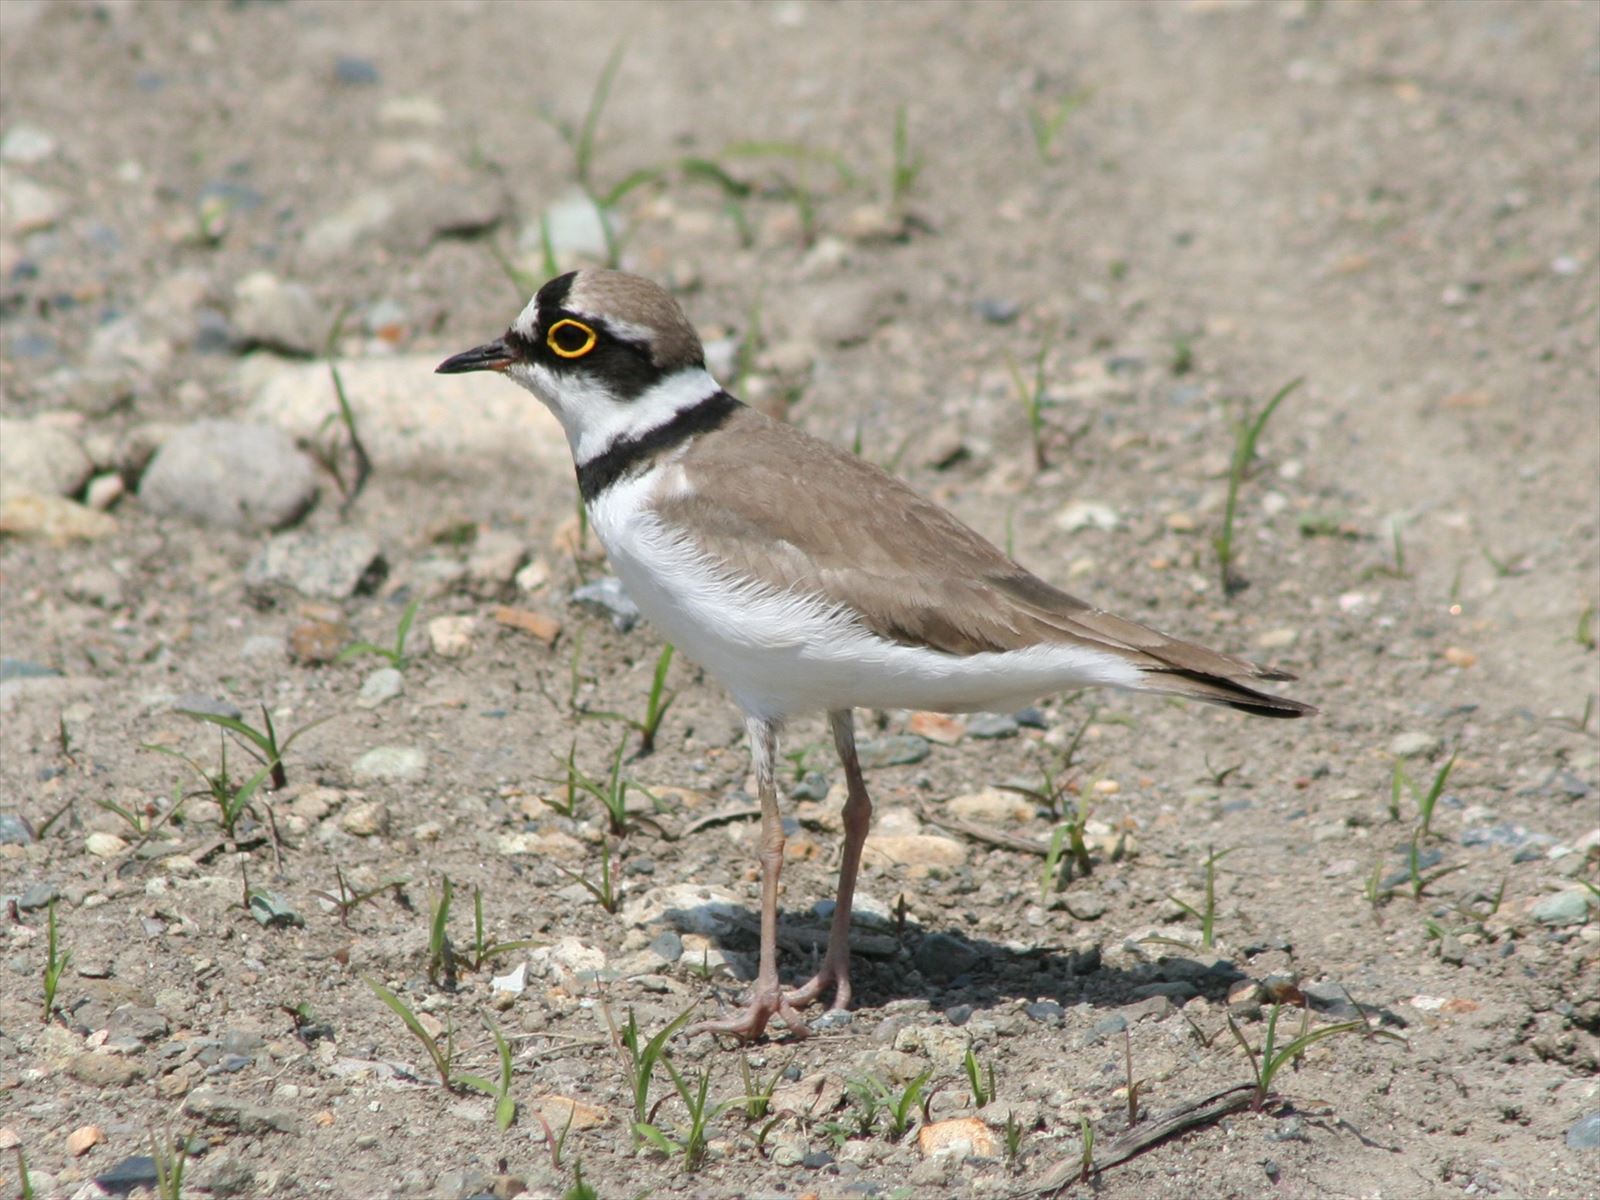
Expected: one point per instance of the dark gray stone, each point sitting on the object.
(1585, 1133)
(900, 750)
(992, 725)
(941, 956)
(329, 566)
(608, 597)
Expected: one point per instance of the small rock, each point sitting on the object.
(848, 312)
(513, 982)
(1046, 1012)
(451, 637)
(1585, 1133)
(272, 911)
(398, 764)
(381, 686)
(990, 726)
(813, 787)
(138, 1171)
(1414, 744)
(26, 144)
(495, 558)
(998, 310)
(960, 1137)
(574, 229)
(992, 806)
(104, 845)
(38, 895)
(333, 565)
(14, 831)
(937, 727)
(97, 585)
(608, 597)
(51, 518)
(1568, 907)
(234, 1112)
(138, 1023)
(897, 751)
(276, 315)
(355, 72)
(10, 1139)
(558, 1110)
(1086, 906)
(83, 1139)
(332, 236)
(366, 820)
(317, 641)
(27, 207)
(230, 474)
(36, 456)
(941, 956)
(919, 851)
(104, 1070)
(1086, 514)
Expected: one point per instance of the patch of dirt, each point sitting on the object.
(1185, 207)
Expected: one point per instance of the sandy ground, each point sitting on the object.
(1176, 209)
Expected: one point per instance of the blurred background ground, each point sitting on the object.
(1176, 209)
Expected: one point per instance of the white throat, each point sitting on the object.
(594, 419)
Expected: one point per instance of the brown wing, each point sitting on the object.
(801, 514)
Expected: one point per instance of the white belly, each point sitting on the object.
(782, 654)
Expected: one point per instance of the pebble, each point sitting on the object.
(380, 687)
(26, 144)
(316, 641)
(1585, 1133)
(27, 207)
(898, 750)
(1086, 906)
(937, 727)
(992, 806)
(608, 597)
(399, 764)
(959, 1137)
(366, 820)
(1568, 907)
(230, 474)
(918, 851)
(355, 72)
(40, 457)
(1086, 514)
(270, 313)
(496, 557)
(545, 629)
(103, 491)
(997, 310)
(219, 1107)
(814, 786)
(334, 235)
(332, 565)
(942, 956)
(104, 845)
(451, 637)
(847, 312)
(14, 831)
(51, 518)
(990, 726)
(573, 228)
(83, 1139)
(139, 1171)
(272, 911)
(104, 1070)
(411, 420)
(1413, 744)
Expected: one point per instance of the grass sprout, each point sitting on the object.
(169, 1159)
(395, 655)
(349, 899)
(980, 1081)
(499, 1088)
(1031, 395)
(1246, 434)
(657, 702)
(1272, 1057)
(441, 955)
(606, 892)
(639, 1061)
(483, 949)
(688, 1140)
(56, 961)
(1045, 122)
(263, 744)
(441, 1055)
(232, 800)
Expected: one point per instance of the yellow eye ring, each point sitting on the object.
(577, 351)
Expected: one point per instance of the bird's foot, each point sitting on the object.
(834, 975)
(768, 1002)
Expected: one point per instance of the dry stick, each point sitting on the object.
(984, 834)
(1157, 1129)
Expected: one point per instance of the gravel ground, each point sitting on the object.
(1163, 213)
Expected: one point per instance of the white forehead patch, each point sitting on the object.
(528, 319)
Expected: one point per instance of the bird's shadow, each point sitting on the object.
(951, 969)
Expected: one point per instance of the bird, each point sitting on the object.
(804, 578)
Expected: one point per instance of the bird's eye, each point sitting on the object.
(570, 339)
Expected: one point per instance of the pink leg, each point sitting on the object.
(767, 999)
(835, 969)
